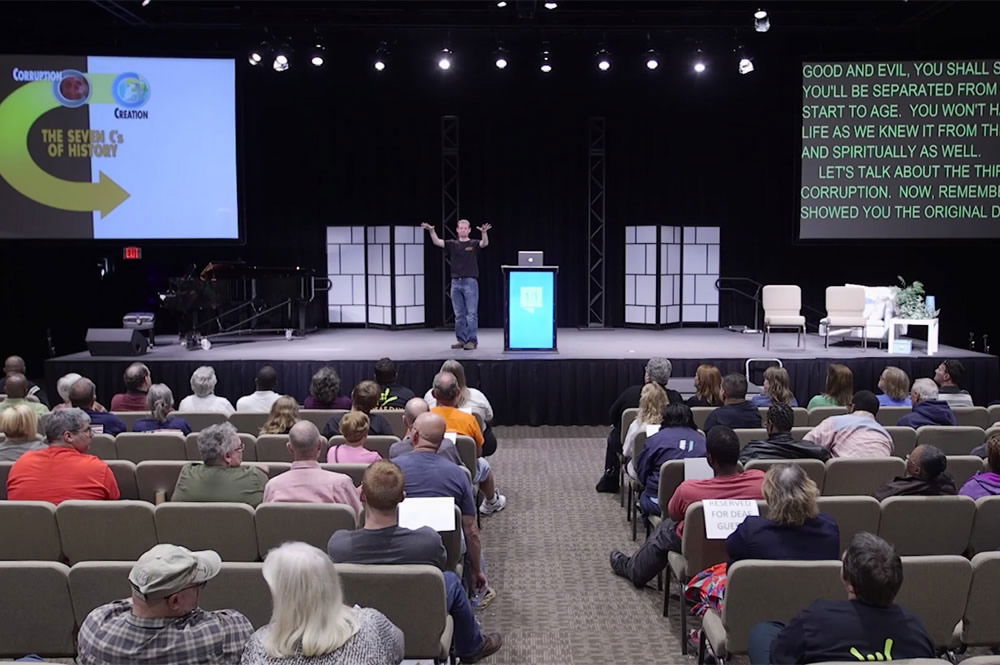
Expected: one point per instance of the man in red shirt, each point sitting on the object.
(64, 470)
(137, 383)
(729, 483)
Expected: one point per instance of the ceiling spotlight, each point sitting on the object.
(318, 55)
(745, 65)
(501, 57)
(501, 4)
(145, 3)
(444, 60)
(652, 59)
(699, 62)
(381, 57)
(257, 55)
(603, 59)
(282, 58)
(551, 5)
(546, 65)
(761, 22)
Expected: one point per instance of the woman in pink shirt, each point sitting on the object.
(354, 429)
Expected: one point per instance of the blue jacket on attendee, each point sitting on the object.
(152, 425)
(109, 423)
(885, 400)
(667, 444)
(929, 412)
(817, 539)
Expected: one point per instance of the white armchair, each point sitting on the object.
(782, 309)
(845, 308)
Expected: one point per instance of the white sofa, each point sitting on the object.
(880, 306)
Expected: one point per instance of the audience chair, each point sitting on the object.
(28, 531)
(142, 446)
(936, 589)
(318, 417)
(845, 308)
(103, 447)
(239, 586)
(850, 476)
(783, 309)
(700, 414)
(249, 447)
(671, 476)
(311, 523)
(925, 525)
(951, 439)
(890, 415)
(227, 528)
(985, 529)
(818, 414)
(274, 448)
(814, 468)
(355, 471)
(628, 416)
(157, 479)
(750, 599)
(124, 472)
(272, 469)
(250, 422)
(972, 416)
(963, 467)
(993, 414)
(395, 420)
(39, 612)
(904, 439)
(411, 596)
(94, 583)
(453, 545)
(199, 420)
(105, 530)
(799, 433)
(635, 488)
(853, 514)
(979, 625)
(467, 451)
(131, 417)
(4, 472)
(747, 435)
(378, 443)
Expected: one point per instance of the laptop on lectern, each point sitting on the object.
(530, 259)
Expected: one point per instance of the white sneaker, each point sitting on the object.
(494, 505)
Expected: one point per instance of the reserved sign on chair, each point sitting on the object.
(722, 516)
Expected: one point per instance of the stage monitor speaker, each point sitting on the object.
(115, 342)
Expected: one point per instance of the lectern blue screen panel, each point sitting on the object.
(532, 319)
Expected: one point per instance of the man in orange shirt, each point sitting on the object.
(64, 470)
(446, 391)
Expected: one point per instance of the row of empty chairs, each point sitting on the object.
(954, 597)
(251, 422)
(78, 531)
(59, 599)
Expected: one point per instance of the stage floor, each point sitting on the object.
(606, 344)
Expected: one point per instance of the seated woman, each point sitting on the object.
(284, 413)
(160, 401)
(20, 424)
(707, 387)
(471, 400)
(324, 391)
(794, 529)
(652, 401)
(777, 388)
(986, 483)
(895, 387)
(839, 387)
(354, 429)
(203, 382)
(310, 623)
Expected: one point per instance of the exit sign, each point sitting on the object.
(132, 253)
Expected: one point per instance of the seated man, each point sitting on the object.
(221, 476)
(414, 408)
(15, 365)
(17, 393)
(391, 394)
(383, 541)
(264, 396)
(161, 622)
(780, 444)
(729, 483)
(657, 371)
(678, 438)
(447, 393)
(364, 398)
(83, 395)
(926, 475)
(429, 474)
(736, 412)
(64, 470)
(306, 481)
(948, 376)
(855, 434)
(866, 626)
(137, 383)
(927, 408)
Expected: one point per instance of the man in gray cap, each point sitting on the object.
(162, 623)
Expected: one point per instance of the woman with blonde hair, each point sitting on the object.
(652, 401)
(839, 387)
(160, 401)
(707, 387)
(777, 388)
(310, 625)
(20, 424)
(895, 386)
(284, 413)
(471, 399)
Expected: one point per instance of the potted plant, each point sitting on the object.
(910, 303)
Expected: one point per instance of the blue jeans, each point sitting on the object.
(465, 301)
(759, 642)
(468, 637)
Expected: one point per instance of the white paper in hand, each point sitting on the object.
(437, 512)
(697, 468)
(651, 430)
(722, 516)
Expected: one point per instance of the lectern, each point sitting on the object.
(529, 322)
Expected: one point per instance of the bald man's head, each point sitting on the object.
(82, 393)
(446, 390)
(428, 431)
(304, 441)
(17, 386)
(14, 365)
(413, 409)
(137, 378)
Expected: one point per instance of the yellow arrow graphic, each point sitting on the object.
(18, 114)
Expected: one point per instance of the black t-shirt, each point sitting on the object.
(850, 630)
(464, 257)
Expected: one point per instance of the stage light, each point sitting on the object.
(282, 58)
(257, 55)
(501, 58)
(745, 66)
(603, 59)
(381, 57)
(551, 5)
(699, 62)
(652, 59)
(318, 55)
(546, 64)
(444, 60)
(145, 3)
(501, 4)
(761, 21)
(699, 67)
